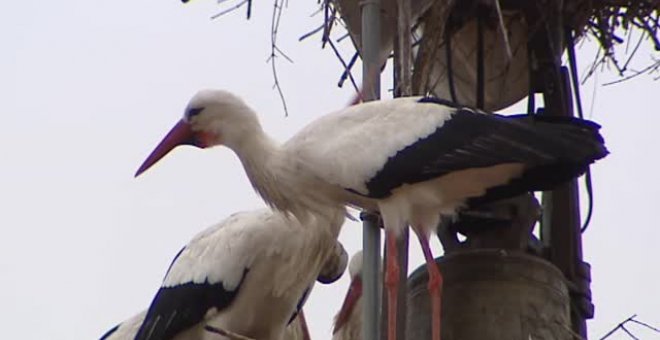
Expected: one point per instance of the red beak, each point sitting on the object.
(353, 295)
(180, 134)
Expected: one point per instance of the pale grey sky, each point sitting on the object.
(88, 89)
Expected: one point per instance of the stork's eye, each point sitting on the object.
(192, 112)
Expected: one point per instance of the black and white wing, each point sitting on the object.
(204, 277)
(374, 148)
(125, 330)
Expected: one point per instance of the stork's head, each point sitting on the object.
(212, 117)
(334, 265)
(354, 292)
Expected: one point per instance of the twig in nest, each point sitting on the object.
(613, 330)
(645, 325)
(347, 68)
(317, 11)
(622, 326)
(275, 51)
(612, 17)
(311, 33)
(634, 51)
(328, 21)
(628, 332)
(235, 7)
(647, 69)
(230, 335)
(326, 26)
(347, 73)
(505, 34)
(343, 37)
(594, 65)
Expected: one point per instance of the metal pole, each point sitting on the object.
(370, 28)
(370, 275)
(370, 49)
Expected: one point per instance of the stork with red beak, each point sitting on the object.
(348, 322)
(412, 159)
(249, 275)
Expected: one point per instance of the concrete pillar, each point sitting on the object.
(492, 294)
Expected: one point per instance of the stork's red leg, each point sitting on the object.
(435, 283)
(303, 325)
(391, 282)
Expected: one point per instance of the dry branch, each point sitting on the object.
(611, 23)
(278, 5)
(622, 326)
(235, 7)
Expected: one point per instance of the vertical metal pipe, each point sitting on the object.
(370, 49)
(370, 275)
(370, 28)
(403, 50)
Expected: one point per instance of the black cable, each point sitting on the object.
(531, 95)
(450, 73)
(480, 63)
(578, 102)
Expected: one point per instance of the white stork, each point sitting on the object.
(348, 321)
(412, 159)
(127, 330)
(248, 275)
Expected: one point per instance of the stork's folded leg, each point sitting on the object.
(391, 282)
(435, 283)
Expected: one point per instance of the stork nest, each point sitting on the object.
(612, 23)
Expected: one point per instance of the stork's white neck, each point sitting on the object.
(282, 181)
(258, 152)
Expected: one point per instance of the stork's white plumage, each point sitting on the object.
(412, 159)
(125, 330)
(348, 321)
(248, 275)
(296, 330)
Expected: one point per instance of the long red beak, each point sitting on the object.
(353, 295)
(180, 134)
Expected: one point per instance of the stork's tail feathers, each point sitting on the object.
(581, 138)
(571, 144)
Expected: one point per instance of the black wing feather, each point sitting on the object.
(109, 332)
(300, 304)
(175, 309)
(554, 150)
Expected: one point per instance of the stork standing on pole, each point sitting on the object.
(412, 159)
(248, 275)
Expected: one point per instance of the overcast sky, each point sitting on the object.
(87, 90)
